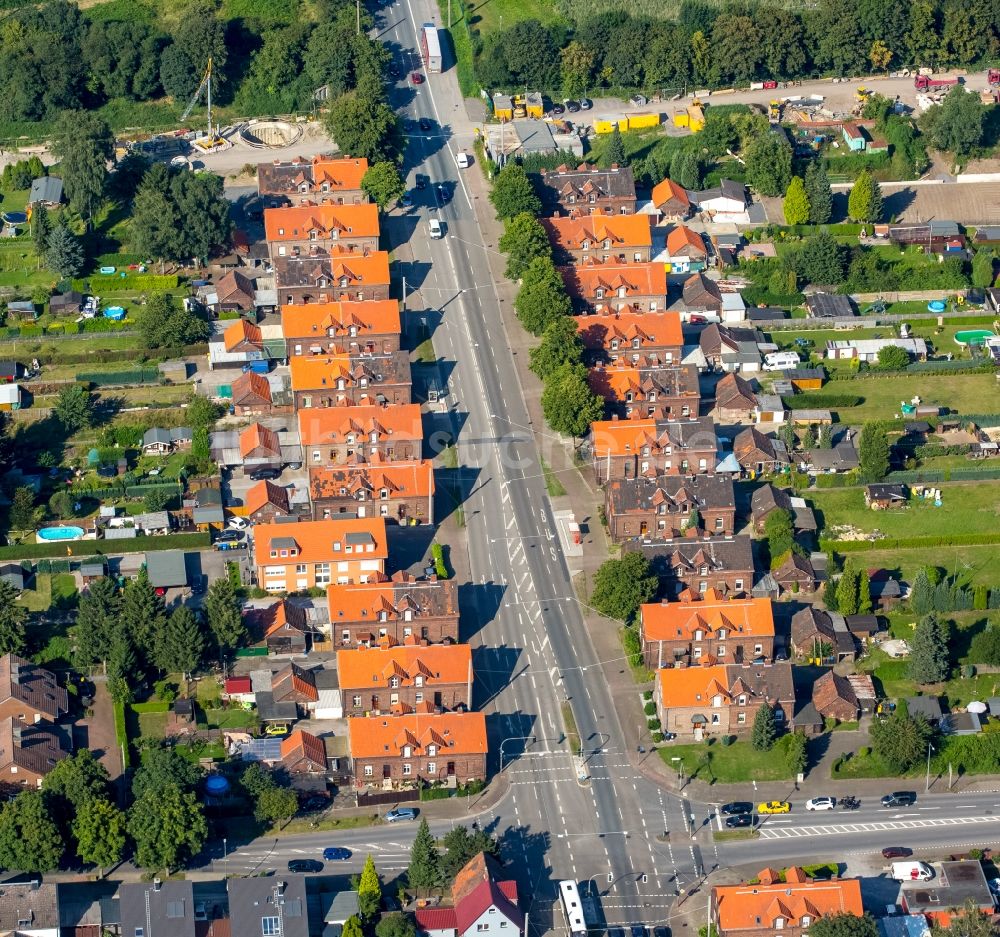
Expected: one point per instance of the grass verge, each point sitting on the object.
(728, 764)
(424, 352)
(552, 484)
(121, 735)
(459, 43)
(569, 723)
(728, 836)
(303, 825)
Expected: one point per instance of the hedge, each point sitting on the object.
(28, 551)
(109, 378)
(822, 401)
(154, 706)
(909, 543)
(121, 735)
(132, 281)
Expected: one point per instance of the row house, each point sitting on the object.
(321, 180)
(735, 398)
(351, 380)
(29, 693)
(348, 328)
(706, 629)
(336, 435)
(29, 752)
(313, 554)
(400, 610)
(399, 491)
(587, 190)
(387, 752)
(401, 680)
(724, 564)
(315, 230)
(669, 506)
(701, 701)
(654, 337)
(648, 392)
(623, 238)
(630, 448)
(604, 288)
(339, 277)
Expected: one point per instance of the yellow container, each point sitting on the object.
(638, 121)
(696, 118)
(680, 118)
(605, 124)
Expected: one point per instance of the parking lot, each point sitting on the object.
(235, 484)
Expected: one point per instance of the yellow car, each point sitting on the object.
(774, 806)
(278, 729)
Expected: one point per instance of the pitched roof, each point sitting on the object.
(768, 498)
(675, 559)
(476, 889)
(365, 602)
(294, 683)
(678, 621)
(830, 689)
(281, 177)
(324, 221)
(304, 745)
(734, 393)
(318, 372)
(315, 320)
(36, 748)
(321, 541)
(653, 329)
(251, 387)
(669, 191)
(437, 664)
(235, 286)
(637, 279)
(32, 685)
(675, 494)
(698, 686)
(702, 293)
(347, 271)
(756, 907)
(682, 240)
(256, 436)
(398, 479)
(275, 617)
(332, 425)
(453, 733)
(750, 442)
(595, 230)
(265, 492)
(794, 567)
(629, 437)
(239, 332)
(616, 381)
(585, 180)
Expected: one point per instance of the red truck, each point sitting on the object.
(929, 83)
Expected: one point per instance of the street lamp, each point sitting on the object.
(225, 855)
(930, 748)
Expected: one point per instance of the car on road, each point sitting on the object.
(463, 159)
(238, 523)
(821, 803)
(896, 852)
(774, 806)
(336, 854)
(405, 200)
(399, 814)
(434, 228)
(424, 124)
(305, 865)
(417, 78)
(444, 196)
(394, 71)
(420, 181)
(739, 820)
(735, 807)
(265, 475)
(899, 799)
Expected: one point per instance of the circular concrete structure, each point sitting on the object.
(274, 134)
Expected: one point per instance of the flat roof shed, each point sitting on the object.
(166, 569)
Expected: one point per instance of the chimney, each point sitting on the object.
(157, 883)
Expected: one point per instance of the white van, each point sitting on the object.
(779, 360)
(464, 160)
(912, 872)
(434, 226)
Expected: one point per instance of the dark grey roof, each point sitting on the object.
(927, 706)
(830, 306)
(69, 300)
(957, 883)
(270, 711)
(862, 624)
(209, 496)
(802, 373)
(961, 724)
(557, 184)
(727, 188)
(14, 574)
(28, 906)
(885, 587)
(46, 189)
(886, 492)
(213, 515)
(180, 433)
(681, 493)
(156, 435)
(358, 537)
(284, 543)
(767, 498)
(166, 568)
(282, 896)
(152, 909)
(720, 553)
(988, 233)
(338, 907)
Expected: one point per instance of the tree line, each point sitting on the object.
(712, 45)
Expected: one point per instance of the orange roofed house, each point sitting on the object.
(401, 610)
(604, 288)
(671, 200)
(320, 180)
(341, 328)
(721, 699)
(776, 908)
(686, 250)
(630, 448)
(654, 337)
(624, 238)
(311, 554)
(252, 395)
(337, 278)
(351, 380)
(394, 750)
(645, 391)
(336, 435)
(239, 343)
(727, 631)
(396, 680)
(398, 491)
(312, 230)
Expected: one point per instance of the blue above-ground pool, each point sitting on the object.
(15, 217)
(937, 305)
(216, 785)
(56, 534)
(114, 312)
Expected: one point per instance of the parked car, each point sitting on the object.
(417, 78)
(425, 124)
(265, 475)
(774, 806)
(229, 536)
(821, 803)
(586, 104)
(896, 852)
(238, 523)
(739, 820)
(557, 109)
(399, 814)
(572, 106)
(737, 806)
(317, 802)
(899, 799)
(279, 728)
(336, 854)
(305, 865)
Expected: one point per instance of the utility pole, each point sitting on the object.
(358, 4)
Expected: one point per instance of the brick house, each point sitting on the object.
(252, 395)
(834, 697)
(337, 278)
(396, 750)
(587, 190)
(782, 906)
(235, 292)
(671, 201)
(380, 681)
(724, 564)
(398, 491)
(654, 337)
(351, 380)
(820, 635)
(660, 507)
(483, 904)
(735, 399)
(312, 554)
(795, 574)
(685, 249)
(30, 693)
(28, 752)
(608, 287)
(704, 629)
(314, 230)
(700, 294)
(336, 435)
(721, 699)
(341, 328)
(265, 502)
(758, 453)
(646, 391)
(303, 753)
(243, 337)
(630, 448)
(401, 610)
(283, 626)
(260, 447)
(621, 238)
(320, 180)
(729, 348)
(295, 685)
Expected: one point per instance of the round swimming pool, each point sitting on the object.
(55, 534)
(973, 336)
(936, 305)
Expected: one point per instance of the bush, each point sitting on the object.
(437, 553)
(27, 551)
(906, 543)
(653, 724)
(864, 751)
(657, 737)
(728, 740)
(103, 284)
(968, 671)
(649, 709)
(822, 401)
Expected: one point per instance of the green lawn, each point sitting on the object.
(727, 764)
(58, 589)
(975, 565)
(956, 692)
(486, 16)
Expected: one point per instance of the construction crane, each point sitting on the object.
(206, 84)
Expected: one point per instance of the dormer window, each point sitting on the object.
(408, 615)
(743, 699)
(722, 634)
(779, 923)
(419, 681)
(699, 636)
(407, 751)
(344, 282)
(607, 244)
(806, 920)
(585, 245)
(394, 683)
(432, 751)
(636, 343)
(325, 186)
(621, 292)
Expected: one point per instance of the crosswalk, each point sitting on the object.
(790, 832)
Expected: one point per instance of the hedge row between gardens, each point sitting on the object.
(87, 548)
(909, 543)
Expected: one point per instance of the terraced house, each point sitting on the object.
(621, 238)
(588, 190)
(338, 277)
(724, 564)
(341, 328)
(630, 448)
(613, 287)
(315, 230)
(398, 491)
(351, 380)
(318, 181)
(336, 435)
(645, 391)
(653, 337)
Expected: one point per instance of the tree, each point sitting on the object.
(768, 164)
(179, 644)
(74, 408)
(397, 924)
(621, 586)
(873, 452)
(41, 227)
(614, 153)
(84, 144)
(424, 871)
(847, 591)
(779, 528)
(523, 240)
(75, 781)
(365, 129)
(930, 659)
(30, 840)
(825, 438)
(972, 922)
(22, 509)
(157, 499)
(225, 619)
(864, 594)
(64, 253)
(844, 925)
(865, 201)
(796, 755)
(901, 740)
(820, 260)
(893, 358)
(818, 192)
(161, 767)
(957, 123)
(576, 64)
(165, 323)
(921, 594)
(383, 183)
(369, 891)
(275, 804)
(880, 55)
(560, 345)
(99, 831)
(796, 205)
(168, 826)
(764, 731)
(12, 620)
(569, 405)
(513, 193)
(352, 928)
(686, 168)
(142, 614)
(461, 845)
(542, 297)
(96, 613)
(982, 268)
